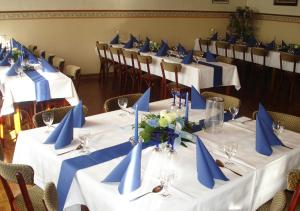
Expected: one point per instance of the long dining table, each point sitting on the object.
(262, 176)
(199, 75)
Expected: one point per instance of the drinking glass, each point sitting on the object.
(19, 71)
(230, 151)
(173, 105)
(166, 178)
(234, 111)
(122, 102)
(84, 135)
(277, 127)
(11, 61)
(48, 118)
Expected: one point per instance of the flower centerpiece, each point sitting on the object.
(16, 53)
(165, 127)
(154, 46)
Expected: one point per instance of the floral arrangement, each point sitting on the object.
(154, 46)
(16, 53)
(164, 127)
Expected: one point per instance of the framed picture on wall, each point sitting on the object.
(286, 2)
(220, 1)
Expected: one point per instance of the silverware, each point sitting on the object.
(249, 120)
(156, 189)
(222, 165)
(77, 148)
(130, 112)
(287, 147)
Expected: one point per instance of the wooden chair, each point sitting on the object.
(112, 103)
(50, 197)
(73, 72)
(165, 87)
(289, 122)
(239, 48)
(32, 48)
(130, 69)
(229, 101)
(58, 63)
(49, 57)
(59, 114)
(204, 42)
(223, 45)
(39, 53)
(291, 76)
(198, 53)
(148, 78)
(30, 198)
(104, 61)
(116, 63)
(224, 59)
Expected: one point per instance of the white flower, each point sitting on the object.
(163, 113)
(171, 117)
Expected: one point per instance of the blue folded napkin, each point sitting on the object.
(210, 57)
(265, 137)
(4, 61)
(12, 70)
(47, 67)
(251, 41)
(31, 58)
(197, 100)
(181, 50)
(283, 44)
(146, 46)
(16, 44)
(128, 171)
(2, 52)
(188, 59)
(297, 52)
(63, 134)
(129, 44)
(133, 38)
(207, 169)
(143, 102)
(78, 116)
(214, 37)
(232, 40)
(115, 40)
(163, 50)
(264, 115)
(271, 46)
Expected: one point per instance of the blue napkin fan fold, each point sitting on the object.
(251, 41)
(197, 100)
(271, 45)
(12, 70)
(146, 46)
(207, 169)
(188, 59)
(78, 116)
(63, 134)
(163, 50)
(31, 58)
(181, 50)
(265, 136)
(143, 101)
(4, 61)
(128, 171)
(210, 57)
(115, 40)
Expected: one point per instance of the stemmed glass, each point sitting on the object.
(230, 150)
(122, 102)
(234, 111)
(11, 61)
(277, 127)
(19, 71)
(84, 135)
(48, 118)
(173, 105)
(166, 178)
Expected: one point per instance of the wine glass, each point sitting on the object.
(18, 70)
(166, 178)
(48, 118)
(234, 111)
(173, 105)
(11, 61)
(123, 102)
(84, 135)
(230, 151)
(277, 127)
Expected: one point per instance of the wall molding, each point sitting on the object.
(57, 14)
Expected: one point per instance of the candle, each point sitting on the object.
(136, 125)
(186, 107)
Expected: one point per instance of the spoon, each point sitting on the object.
(222, 165)
(156, 189)
(77, 148)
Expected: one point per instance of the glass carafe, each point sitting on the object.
(214, 114)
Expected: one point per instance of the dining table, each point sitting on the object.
(259, 176)
(200, 76)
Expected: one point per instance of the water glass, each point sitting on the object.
(48, 118)
(234, 111)
(11, 61)
(214, 114)
(166, 178)
(230, 151)
(122, 102)
(19, 71)
(84, 135)
(277, 127)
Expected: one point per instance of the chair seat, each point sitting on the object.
(36, 194)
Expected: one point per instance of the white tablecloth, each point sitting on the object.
(262, 175)
(21, 89)
(272, 60)
(200, 76)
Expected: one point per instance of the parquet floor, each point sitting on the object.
(93, 94)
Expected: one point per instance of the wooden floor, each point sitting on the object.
(93, 94)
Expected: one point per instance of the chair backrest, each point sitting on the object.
(144, 60)
(59, 114)
(229, 101)
(116, 51)
(259, 52)
(198, 53)
(132, 55)
(204, 42)
(289, 122)
(32, 48)
(58, 63)
(104, 47)
(1, 153)
(49, 57)
(50, 197)
(293, 184)
(289, 58)
(39, 53)
(112, 103)
(171, 67)
(72, 71)
(225, 60)
(240, 48)
(223, 45)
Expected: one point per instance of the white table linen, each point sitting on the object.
(17, 89)
(272, 59)
(200, 76)
(262, 175)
